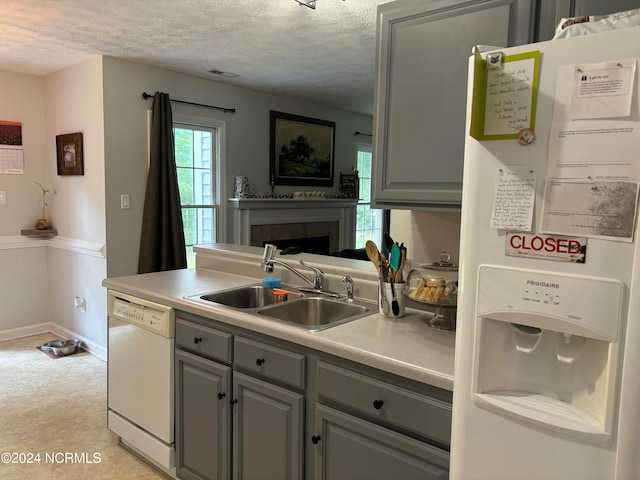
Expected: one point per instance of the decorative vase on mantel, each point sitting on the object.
(43, 224)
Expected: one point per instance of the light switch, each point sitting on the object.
(3, 198)
(124, 201)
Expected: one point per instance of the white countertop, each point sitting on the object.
(406, 346)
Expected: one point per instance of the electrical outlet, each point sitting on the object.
(3, 198)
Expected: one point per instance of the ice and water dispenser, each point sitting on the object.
(547, 349)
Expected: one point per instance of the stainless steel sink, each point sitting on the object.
(311, 312)
(252, 296)
(315, 313)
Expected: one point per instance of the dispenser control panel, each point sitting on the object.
(587, 302)
(143, 313)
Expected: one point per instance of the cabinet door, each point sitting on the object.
(267, 431)
(203, 433)
(348, 448)
(421, 87)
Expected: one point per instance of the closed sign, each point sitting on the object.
(547, 247)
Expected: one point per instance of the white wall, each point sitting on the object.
(24, 297)
(21, 100)
(73, 103)
(247, 141)
(42, 277)
(426, 234)
(101, 98)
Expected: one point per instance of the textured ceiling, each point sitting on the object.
(324, 56)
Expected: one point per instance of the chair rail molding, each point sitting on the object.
(93, 249)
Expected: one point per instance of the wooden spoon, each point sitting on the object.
(372, 252)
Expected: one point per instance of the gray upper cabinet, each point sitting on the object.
(422, 55)
(552, 11)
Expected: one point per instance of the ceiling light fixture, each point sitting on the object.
(307, 3)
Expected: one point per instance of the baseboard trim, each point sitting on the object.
(50, 327)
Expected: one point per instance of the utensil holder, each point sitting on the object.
(388, 296)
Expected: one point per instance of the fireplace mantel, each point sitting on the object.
(278, 211)
(266, 203)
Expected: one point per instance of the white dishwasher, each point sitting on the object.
(140, 377)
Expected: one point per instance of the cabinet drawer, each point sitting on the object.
(269, 361)
(203, 340)
(407, 409)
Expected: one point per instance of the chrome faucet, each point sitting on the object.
(317, 283)
(349, 281)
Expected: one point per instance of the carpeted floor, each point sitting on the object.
(53, 418)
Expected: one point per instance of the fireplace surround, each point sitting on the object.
(257, 221)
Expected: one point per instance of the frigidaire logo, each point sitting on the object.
(537, 283)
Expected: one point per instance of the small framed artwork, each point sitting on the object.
(301, 150)
(349, 185)
(69, 148)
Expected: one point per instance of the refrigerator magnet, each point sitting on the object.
(526, 136)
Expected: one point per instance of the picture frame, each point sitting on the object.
(301, 150)
(69, 154)
(349, 185)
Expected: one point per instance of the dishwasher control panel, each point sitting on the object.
(149, 315)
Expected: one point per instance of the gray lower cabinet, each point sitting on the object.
(353, 449)
(235, 416)
(203, 434)
(369, 428)
(252, 407)
(268, 418)
(267, 431)
(422, 54)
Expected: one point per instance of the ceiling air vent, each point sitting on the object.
(220, 73)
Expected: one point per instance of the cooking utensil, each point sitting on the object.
(373, 253)
(395, 307)
(385, 268)
(403, 262)
(394, 252)
(388, 242)
(394, 257)
(383, 299)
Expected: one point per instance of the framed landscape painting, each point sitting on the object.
(301, 150)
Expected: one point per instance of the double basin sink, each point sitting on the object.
(313, 312)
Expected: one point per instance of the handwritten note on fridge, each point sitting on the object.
(504, 97)
(514, 198)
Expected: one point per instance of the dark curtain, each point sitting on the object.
(162, 245)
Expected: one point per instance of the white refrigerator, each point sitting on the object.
(547, 363)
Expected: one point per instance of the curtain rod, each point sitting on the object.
(146, 96)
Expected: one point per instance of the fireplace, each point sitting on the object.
(322, 225)
(310, 237)
(318, 245)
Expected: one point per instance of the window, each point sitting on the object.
(197, 150)
(368, 220)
